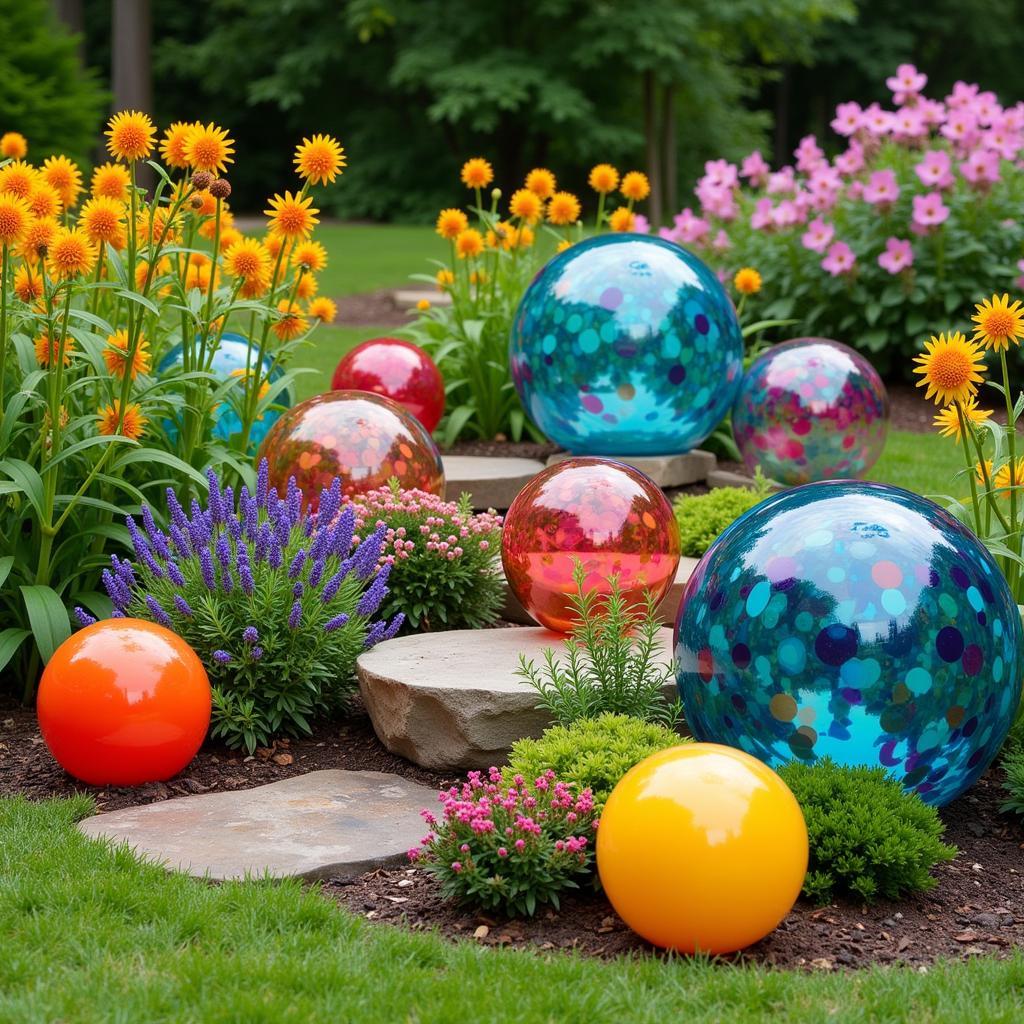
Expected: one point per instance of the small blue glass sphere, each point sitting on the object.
(855, 621)
(231, 359)
(626, 345)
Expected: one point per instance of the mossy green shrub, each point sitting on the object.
(869, 838)
(592, 753)
(702, 517)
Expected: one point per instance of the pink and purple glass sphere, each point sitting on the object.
(810, 409)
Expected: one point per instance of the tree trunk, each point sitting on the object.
(782, 100)
(652, 132)
(130, 49)
(669, 151)
(71, 15)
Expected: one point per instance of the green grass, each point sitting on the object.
(325, 347)
(925, 463)
(365, 257)
(91, 934)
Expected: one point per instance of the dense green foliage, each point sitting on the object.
(702, 517)
(869, 838)
(44, 92)
(592, 753)
(609, 663)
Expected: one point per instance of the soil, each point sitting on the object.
(377, 309)
(977, 907)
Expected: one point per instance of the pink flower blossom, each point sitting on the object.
(933, 112)
(961, 127)
(877, 121)
(906, 83)
(855, 189)
(818, 235)
(934, 169)
(882, 188)
(961, 96)
(755, 169)
(986, 108)
(716, 200)
(761, 218)
(786, 214)
(641, 225)
(909, 124)
(808, 154)
(824, 179)
(849, 118)
(1004, 141)
(456, 866)
(839, 260)
(981, 168)
(852, 160)
(898, 256)
(721, 243)
(689, 228)
(721, 172)
(929, 210)
(1020, 279)
(781, 181)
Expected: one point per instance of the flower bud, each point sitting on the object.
(202, 180)
(220, 188)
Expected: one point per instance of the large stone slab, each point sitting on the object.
(493, 482)
(336, 824)
(665, 470)
(513, 611)
(452, 700)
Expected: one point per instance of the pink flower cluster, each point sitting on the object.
(966, 137)
(444, 529)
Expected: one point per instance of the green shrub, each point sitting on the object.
(609, 662)
(593, 753)
(703, 517)
(1013, 766)
(869, 838)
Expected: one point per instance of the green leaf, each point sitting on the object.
(99, 604)
(87, 442)
(48, 618)
(6, 564)
(10, 640)
(165, 458)
(29, 482)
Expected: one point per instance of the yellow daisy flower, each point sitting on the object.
(115, 355)
(111, 181)
(134, 422)
(13, 146)
(635, 186)
(603, 178)
(470, 243)
(64, 177)
(451, 223)
(947, 421)
(319, 159)
(292, 217)
(998, 322)
(526, 205)
(563, 209)
(622, 219)
(130, 136)
(476, 173)
(323, 309)
(541, 182)
(747, 281)
(14, 218)
(950, 368)
(208, 148)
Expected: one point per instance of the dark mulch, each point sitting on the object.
(371, 309)
(504, 449)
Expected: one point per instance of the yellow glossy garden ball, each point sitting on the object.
(702, 848)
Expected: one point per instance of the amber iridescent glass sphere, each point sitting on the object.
(397, 370)
(124, 702)
(362, 439)
(609, 516)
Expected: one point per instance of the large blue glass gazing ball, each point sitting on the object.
(230, 359)
(626, 345)
(855, 621)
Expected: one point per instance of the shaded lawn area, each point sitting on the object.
(92, 934)
(366, 257)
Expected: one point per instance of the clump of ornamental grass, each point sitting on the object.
(509, 848)
(445, 573)
(869, 838)
(593, 753)
(275, 602)
(609, 662)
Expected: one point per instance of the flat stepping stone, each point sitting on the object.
(407, 298)
(327, 824)
(513, 611)
(493, 481)
(452, 700)
(665, 470)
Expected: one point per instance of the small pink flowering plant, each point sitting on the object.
(509, 848)
(445, 568)
(913, 209)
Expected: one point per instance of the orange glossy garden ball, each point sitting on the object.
(124, 702)
(702, 848)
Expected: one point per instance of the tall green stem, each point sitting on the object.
(1011, 440)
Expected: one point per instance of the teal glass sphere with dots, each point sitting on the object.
(626, 344)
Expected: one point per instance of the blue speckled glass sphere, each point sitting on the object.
(626, 345)
(856, 621)
(230, 360)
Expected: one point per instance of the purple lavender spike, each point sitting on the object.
(151, 564)
(175, 575)
(234, 526)
(294, 501)
(178, 517)
(252, 519)
(316, 574)
(282, 531)
(245, 571)
(228, 501)
(256, 653)
(262, 482)
(148, 522)
(180, 540)
(375, 633)
(206, 568)
(336, 623)
(216, 502)
(138, 541)
(299, 589)
(274, 558)
(368, 554)
(222, 657)
(343, 530)
(223, 549)
(264, 541)
(113, 587)
(183, 606)
(250, 635)
(396, 624)
(295, 616)
(331, 588)
(157, 611)
(378, 590)
(330, 502)
(83, 616)
(297, 563)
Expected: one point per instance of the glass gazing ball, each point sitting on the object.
(361, 438)
(398, 370)
(626, 345)
(856, 621)
(702, 848)
(810, 409)
(123, 702)
(611, 517)
(230, 360)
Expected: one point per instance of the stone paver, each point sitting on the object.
(407, 298)
(665, 470)
(494, 482)
(453, 700)
(337, 824)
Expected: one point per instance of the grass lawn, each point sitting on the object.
(326, 346)
(925, 463)
(365, 257)
(92, 934)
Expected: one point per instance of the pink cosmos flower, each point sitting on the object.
(782, 180)
(898, 256)
(934, 169)
(981, 168)
(849, 118)
(761, 218)
(855, 189)
(721, 243)
(852, 160)
(962, 95)
(877, 121)
(1002, 140)
(906, 83)
(755, 169)
(721, 172)
(786, 214)
(818, 234)
(717, 200)
(929, 210)
(1020, 267)
(882, 188)
(689, 228)
(986, 108)
(641, 225)
(808, 154)
(933, 112)
(824, 179)
(839, 260)
(961, 127)
(909, 124)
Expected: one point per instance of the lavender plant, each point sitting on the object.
(278, 604)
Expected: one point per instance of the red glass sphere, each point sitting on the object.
(361, 438)
(611, 517)
(124, 702)
(397, 370)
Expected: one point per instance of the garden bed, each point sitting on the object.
(976, 909)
